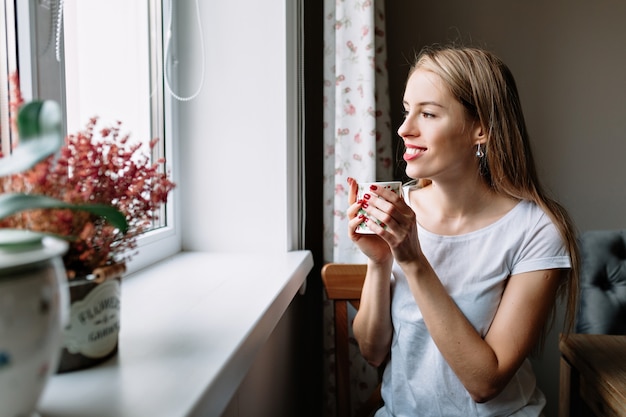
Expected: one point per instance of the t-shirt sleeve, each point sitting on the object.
(544, 249)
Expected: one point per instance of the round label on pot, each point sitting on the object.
(95, 321)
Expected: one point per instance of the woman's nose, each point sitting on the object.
(406, 128)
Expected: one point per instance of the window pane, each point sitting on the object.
(112, 60)
(107, 64)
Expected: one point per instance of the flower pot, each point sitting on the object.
(93, 331)
(33, 312)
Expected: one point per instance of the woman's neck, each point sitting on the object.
(459, 208)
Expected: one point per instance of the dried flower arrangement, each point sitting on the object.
(98, 168)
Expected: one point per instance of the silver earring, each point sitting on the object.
(479, 152)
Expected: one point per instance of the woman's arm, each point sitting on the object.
(372, 324)
(485, 366)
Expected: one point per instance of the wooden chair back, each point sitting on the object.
(343, 284)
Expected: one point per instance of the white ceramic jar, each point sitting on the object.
(34, 309)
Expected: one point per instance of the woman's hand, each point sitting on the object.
(397, 230)
(372, 246)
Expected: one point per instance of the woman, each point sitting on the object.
(476, 251)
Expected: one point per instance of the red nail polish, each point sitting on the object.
(361, 216)
(373, 187)
(367, 196)
(364, 205)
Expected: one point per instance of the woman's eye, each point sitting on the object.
(405, 114)
(427, 115)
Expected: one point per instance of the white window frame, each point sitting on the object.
(154, 245)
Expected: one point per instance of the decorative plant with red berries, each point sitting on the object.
(70, 194)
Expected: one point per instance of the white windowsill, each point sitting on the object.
(191, 327)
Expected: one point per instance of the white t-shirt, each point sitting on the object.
(474, 268)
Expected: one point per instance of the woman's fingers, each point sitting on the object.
(352, 192)
(353, 224)
(381, 208)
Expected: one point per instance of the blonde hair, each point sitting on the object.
(487, 89)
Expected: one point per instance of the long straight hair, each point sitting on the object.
(487, 89)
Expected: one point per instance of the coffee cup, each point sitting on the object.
(365, 188)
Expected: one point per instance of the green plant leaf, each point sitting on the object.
(16, 202)
(40, 129)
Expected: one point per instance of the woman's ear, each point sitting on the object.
(479, 135)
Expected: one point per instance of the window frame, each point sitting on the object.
(153, 245)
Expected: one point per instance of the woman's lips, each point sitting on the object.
(413, 152)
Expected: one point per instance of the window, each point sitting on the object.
(96, 58)
(8, 65)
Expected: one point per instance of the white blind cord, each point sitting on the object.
(167, 47)
(57, 33)
(57, 42)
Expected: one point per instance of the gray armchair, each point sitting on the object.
(602, 304)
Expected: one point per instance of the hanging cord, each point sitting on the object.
(167, 47)
(57, 31)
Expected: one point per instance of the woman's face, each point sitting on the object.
(439, 137)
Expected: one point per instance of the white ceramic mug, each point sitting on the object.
(364, 188)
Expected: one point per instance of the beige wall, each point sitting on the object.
(569, 59)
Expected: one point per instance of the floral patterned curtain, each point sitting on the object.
(357, 139)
